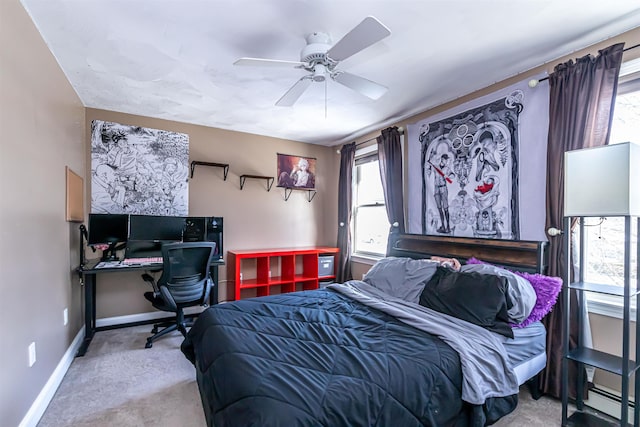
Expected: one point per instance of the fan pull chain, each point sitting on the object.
(325, 98)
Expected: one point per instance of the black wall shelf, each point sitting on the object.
(195, 163)
(310, 193)
(269, 180)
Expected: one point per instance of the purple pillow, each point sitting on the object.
(547, 289)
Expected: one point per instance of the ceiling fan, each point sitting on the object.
(321, 59)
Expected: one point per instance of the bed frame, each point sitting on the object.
(522, 255)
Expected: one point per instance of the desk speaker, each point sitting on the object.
(215, 233)
(205, 229)
(194, 229)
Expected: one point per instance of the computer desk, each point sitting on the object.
(89, 275)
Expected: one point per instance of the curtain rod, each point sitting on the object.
(536, 82)
(624, 50)
(373, 139)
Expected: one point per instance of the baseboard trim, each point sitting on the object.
(35, 412)
(39, 405)
(142, 317)
(607, 401)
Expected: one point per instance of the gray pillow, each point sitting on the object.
(520, 292)
(401, 277)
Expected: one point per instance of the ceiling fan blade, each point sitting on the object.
(268, 63)
(363, 35)
(292, 95)
(361, 85)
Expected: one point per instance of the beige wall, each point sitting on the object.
(42, 122)
(254, 218)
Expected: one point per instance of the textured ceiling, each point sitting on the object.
(173, 59)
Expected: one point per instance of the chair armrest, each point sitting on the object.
(168, 298)
(149, 279)
(207, 291)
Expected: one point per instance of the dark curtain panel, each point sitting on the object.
(347, 158)
(390, 162)
(582, 95)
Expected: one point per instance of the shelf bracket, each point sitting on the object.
(310, 193)
(218, 165)
(269, 180)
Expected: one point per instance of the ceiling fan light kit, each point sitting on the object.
(320, 59)
(319, 72)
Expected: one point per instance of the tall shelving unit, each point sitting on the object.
(601, 182)
(623, 365)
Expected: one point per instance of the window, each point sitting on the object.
(604, 254)
(604, 248)
(604, 237)
(370, 223)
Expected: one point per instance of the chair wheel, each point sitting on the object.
(154, 330)
(149, 344)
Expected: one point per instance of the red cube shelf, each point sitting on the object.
(269, 271)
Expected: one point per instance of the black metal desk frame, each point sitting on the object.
(88, 273)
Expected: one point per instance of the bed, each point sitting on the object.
(375, 352)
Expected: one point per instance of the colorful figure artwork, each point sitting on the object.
(469, 171)
(296, 172)
(138, 170)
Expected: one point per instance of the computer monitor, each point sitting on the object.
(156, 228)
(108, 229)
(147, 234)
(144, 249)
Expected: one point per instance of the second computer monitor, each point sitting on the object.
(147, 234)
(156, 228)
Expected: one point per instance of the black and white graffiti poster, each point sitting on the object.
(138, 170)
(478, 170)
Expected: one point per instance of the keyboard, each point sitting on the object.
(148, 260)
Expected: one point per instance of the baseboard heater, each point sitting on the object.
(608, 402)
(613, 396)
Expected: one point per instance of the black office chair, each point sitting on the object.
(185, 282)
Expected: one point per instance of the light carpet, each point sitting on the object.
(121, 383)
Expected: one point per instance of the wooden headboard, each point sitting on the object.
(521, 255)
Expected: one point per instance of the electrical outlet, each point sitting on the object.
(32, 354)
(65, 317)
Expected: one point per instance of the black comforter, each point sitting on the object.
(318, 358)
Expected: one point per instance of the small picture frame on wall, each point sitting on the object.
(296, 172)
(75, 200)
